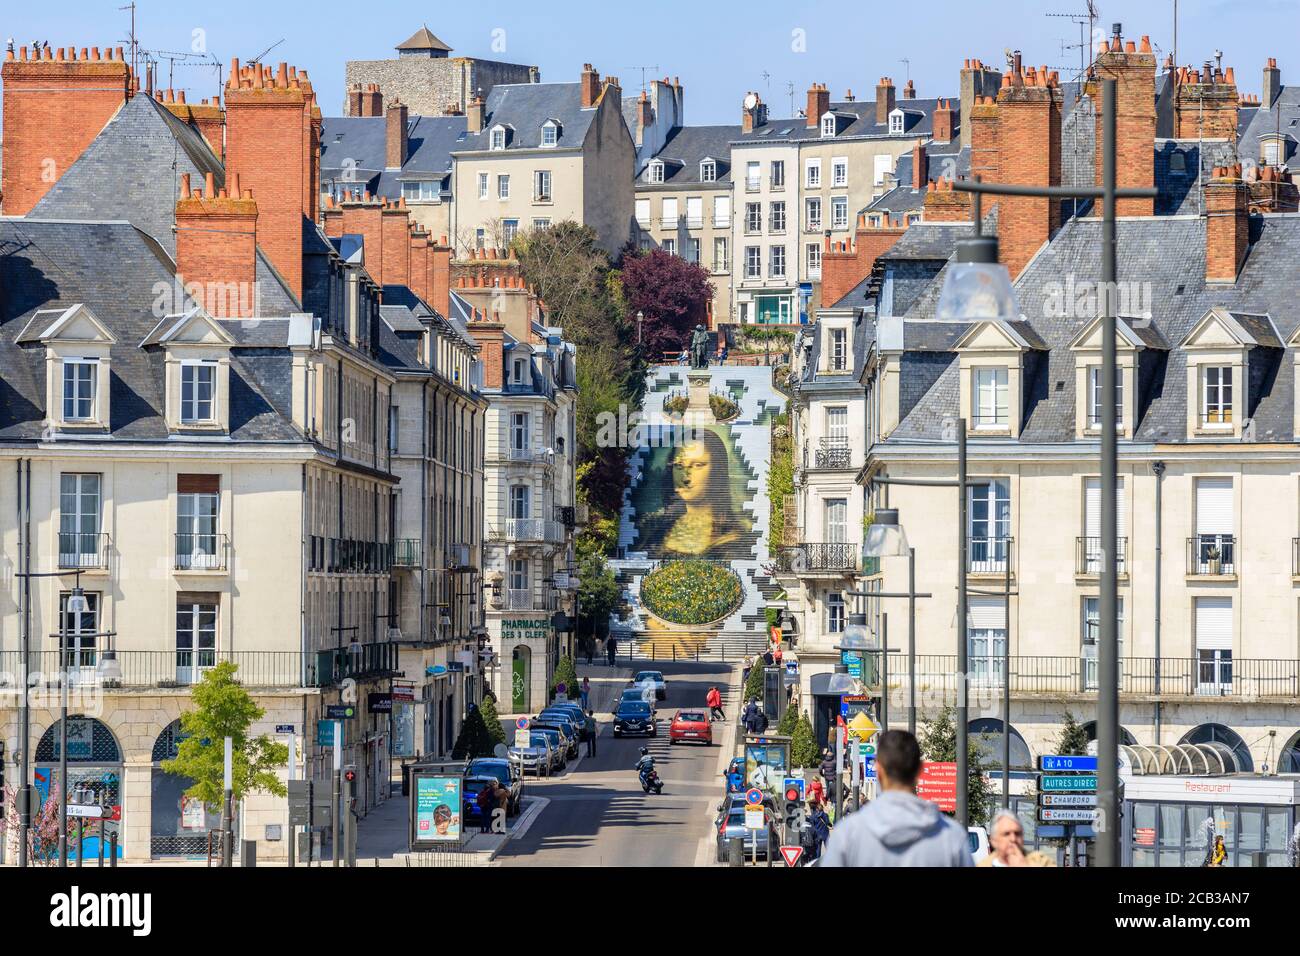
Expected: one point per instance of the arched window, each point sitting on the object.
(1226, 738)
(987, 732)
(179, 825)
(1288, 760)
(94, 777)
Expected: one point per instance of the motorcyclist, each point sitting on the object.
(645, 764)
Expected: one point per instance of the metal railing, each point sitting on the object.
(987, 555)
(163, 668)
(833, 453)
(201, 551)
(532, 529)
(1088, 554)
(378, 659)
(528, 599)
(1242, 678)
(406, 553)
(818, 557)
(530, 454)
(79, 549)
(1211, 554)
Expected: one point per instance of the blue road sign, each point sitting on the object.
(1058, 763)
(753, 796)
(521, 723)
(1067, 782)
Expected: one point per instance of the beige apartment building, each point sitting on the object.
(683, 205)
(541, 153)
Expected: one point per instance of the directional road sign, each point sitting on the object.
(1062, 763)
(1067, 799)
(1067, 782)
(1069, 815)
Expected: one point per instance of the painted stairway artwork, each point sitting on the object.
(701, 496)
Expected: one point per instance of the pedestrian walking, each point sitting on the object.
(714, 699)
(768, 659)
(591, 731)
(611, 646)
(591, 649)
(487, 802)
(898, 828)
(750, 717)
(816, 792)
(777, 653)
(816, 831)
(1007, 843)
(586, 692)
(745, 669)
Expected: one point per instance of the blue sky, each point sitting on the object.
(719, 49)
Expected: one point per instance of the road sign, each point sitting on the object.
(84, 810)
(1070, 815)
(325, 733)
(340, 711)
(1067, 799)
(284, 728)
(755, 818)
(791, 855)
(754, 797)
(1058, 763)
(1067, 782)
(868, 768)
(938, 784)
(522, 739)
(861, 726)
(521, 723)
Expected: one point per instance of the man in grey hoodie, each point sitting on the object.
(897, 828)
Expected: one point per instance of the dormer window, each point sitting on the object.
(1094, 398)
(198, 392)
(1272, 151)
(498, 137)
(656, 172)
(80, 381)
(896, 123)
(550, 133)
(828, 125)
(1216, 396)
(77, 359)
(708, 171)
(989, 397)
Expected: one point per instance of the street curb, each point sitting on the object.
(707, 852)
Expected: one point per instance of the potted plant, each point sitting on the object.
(1213, 559)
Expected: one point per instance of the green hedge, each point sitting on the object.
(691, 592)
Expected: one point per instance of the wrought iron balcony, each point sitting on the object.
(378, 659)
(181, 667)
(536, 530)
(989, 555)
(201, 551)
(406, 553)
(1088, 555)
(819, 558)
(78, 549)
(833, 453)
(1211, 555)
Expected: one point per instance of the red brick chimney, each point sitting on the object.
(372, 100)
(984, 150)
(819, 101)
(354, 100)
(976, 81)
(1029, 148)
(751, 117)
(474, 114)
(1272, 83)
(1227, 224)
(216, 247)
(1273, 190)
(589, 84)
(845, 264)
(884, 100)
(942, 122)
(909, 91)
(269, 146)
(55, 102)
(385, 229)
(945, 204)
(206, 116)
(396, 224)
(1205, 103)
(920, 165)
(1133, 68)
(645, 117)
(440, 275)
(395, 135)
(491, 338)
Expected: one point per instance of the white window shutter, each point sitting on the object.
(1214, 506)
(1214, 624)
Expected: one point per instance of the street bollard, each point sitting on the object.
(248, 855)
(736, 851)
(112, 849)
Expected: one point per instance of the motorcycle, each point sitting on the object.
(650, 781)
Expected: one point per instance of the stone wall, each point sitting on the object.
(429, 85)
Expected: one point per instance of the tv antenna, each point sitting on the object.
(258, 58)
(131, 6)
(789, 89)
(643, 70)
(1085, 21)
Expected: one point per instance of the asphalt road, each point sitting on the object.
(597, 814)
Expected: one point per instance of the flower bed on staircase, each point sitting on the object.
(691, 592)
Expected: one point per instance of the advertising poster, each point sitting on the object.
(403, 728)
(766, 765)
(437, 809)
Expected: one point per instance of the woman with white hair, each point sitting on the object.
(1007, 844)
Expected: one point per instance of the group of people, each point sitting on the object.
(590, 649)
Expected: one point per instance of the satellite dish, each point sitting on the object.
(501, 751)
(751, 100)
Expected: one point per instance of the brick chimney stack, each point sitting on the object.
(909, 91)
(271, 139)
(845, 264)
(1205, 103)
(752, 117)
(1029, 154)
(819, 101)
(884, 100)
(945, 204)
(395, 135)
(977, 80)
(207, 117)
(385, 230)
(372, 101)
(490, 335)
(55, 103)
(216, 247)
(589, 84)
(644, 117)
(984, 149)
(354, 100)
(1133, 68)
(1272, 83)
(920, 165)
(942, 122)
(474, 113)
(1227, 225)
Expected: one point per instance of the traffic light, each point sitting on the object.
(794, 810)
(350, 774)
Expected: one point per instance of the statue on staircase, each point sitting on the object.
(700, 348)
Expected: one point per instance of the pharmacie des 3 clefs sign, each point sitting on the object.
(523, 629)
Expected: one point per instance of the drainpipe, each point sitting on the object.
(1158, 469)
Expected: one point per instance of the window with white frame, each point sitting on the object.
(840, 171)
(80, 383)
(708, 171)
(519, 576)
(196, 530)
(882, 166)
(828, 125)
(520, 502)
(693, 250)
(1216, 396)
(509, 229)
(198, 392)
(541, 224)
(484, 181)
(694, 212)
(656, 172)
(812, 213)
(542, 185)
(519, 431)
(836, 519)
(1214, 644)
(839, 212)
(720, 260)
(722, 211)
(986, 638)
(837, 361)
(834, 612)
(420, 190)
(1091, 633)
(990, 525)
(79, 520)
(499, 138)
(1094, 397)
(753, 218)
(814, 258)
(643, 212)
(80, 630)
(669, 246)
(896, 123)
(753, 262)
(753, 174)
(813, 173)
(503, 186)
(989, 400)
(777, 216)
(669, 211)
(550, 134)
(196, 639)
(776, 171)
(776, 262)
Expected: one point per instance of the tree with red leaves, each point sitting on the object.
(672, 293)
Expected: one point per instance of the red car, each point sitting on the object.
(691, 726)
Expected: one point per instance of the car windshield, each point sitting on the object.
(694, 717)
(634, 708)
(538, 740)
(651, 676)
(632, 693)
(496, 770)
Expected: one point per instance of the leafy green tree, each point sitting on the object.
(566, 674)
(225, 709)
(598, 595)
(803, 747)
(474, 739)
(492, 720)
(939, 744)
(1073, 739)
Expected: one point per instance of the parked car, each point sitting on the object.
(978, 840)
(537, 757)
(691, 725)
(573, 710)
(471, 787)
(506, 774)
(734, 775)
(559, 745)
(634, 717)
(568, 733)
(730, 823)
(652, 677)
(642, 694)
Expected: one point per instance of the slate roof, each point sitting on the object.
(1166, 255)
(355, 148)
(685, 148)
(524, 107)
(112, 268)
(423, 39)
(1283, 116)
(949, 160)
(918, 121)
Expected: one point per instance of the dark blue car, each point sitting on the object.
(634, 717)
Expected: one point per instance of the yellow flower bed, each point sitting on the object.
(691, 592)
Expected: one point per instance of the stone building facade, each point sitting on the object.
(435, 86)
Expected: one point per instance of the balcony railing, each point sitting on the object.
(201, 552)
(1088, 555)
(181, 667)
(819, 558)
(378, 659)
(530, 454)
(528, 599)
(81, 550)
(1211, 555)
(406, 553)
(833, 453)
(533, 530)
(1244, 678)
(566, 515)
(989, 555)
(722, 222)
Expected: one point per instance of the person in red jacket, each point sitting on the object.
(714, 699)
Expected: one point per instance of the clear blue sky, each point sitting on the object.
(719, 49)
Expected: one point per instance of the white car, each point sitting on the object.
(978, 840)
(655, 680)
